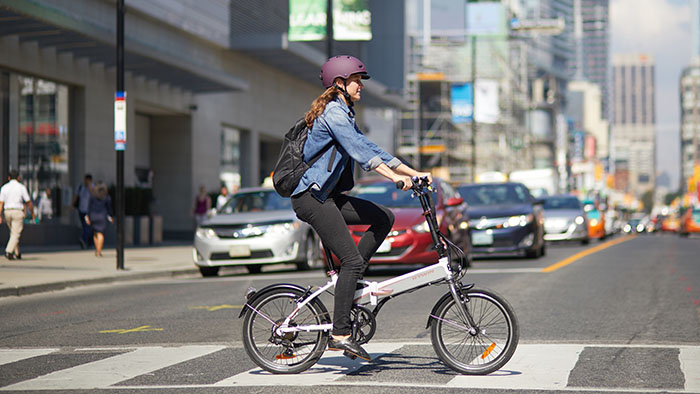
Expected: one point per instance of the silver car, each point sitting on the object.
(256, 226)
(564, 219)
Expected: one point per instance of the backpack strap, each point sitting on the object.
(321, 152)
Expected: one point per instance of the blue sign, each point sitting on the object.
(462, 97)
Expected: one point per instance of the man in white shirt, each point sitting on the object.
(14, 199)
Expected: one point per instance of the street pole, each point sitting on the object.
(473, 70)
(120, 152)
(329, 28)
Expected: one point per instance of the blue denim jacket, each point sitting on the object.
(337, 123)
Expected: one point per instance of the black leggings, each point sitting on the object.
(330, 220)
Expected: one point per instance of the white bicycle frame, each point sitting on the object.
(373, 292)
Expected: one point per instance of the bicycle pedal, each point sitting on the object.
(349, 355)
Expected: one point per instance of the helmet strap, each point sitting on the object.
(348, 99)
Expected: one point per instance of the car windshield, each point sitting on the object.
(561, 203)
(264, 200)
(385, 193)
(499, 194)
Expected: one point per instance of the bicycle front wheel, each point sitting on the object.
(291, 352)
(481, 349)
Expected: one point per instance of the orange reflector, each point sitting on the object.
(285, 357)
(488, 350)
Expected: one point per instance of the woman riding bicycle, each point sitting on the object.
(319, 199)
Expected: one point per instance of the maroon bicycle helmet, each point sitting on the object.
(341, 66)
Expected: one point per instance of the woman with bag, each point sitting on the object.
(98, 214)
(319, 199)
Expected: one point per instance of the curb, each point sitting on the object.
(46, 287)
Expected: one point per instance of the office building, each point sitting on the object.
(633, 134)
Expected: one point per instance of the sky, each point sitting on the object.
(660, 28)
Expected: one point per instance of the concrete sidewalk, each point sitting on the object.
(43, 270)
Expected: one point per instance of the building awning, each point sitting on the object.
(304, 62)
(49, 28)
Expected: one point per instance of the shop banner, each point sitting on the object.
(307, 20)
(486, 108)
(462, 103)
(351, 20)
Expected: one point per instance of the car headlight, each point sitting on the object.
(520, 220)
(282, 228)
(208, 233)
(579, 220)
(421, 227)
(594, 222)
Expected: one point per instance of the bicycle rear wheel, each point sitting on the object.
(487, 347)
(289, 353)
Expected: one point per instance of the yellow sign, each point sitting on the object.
(432, 149)
(217, 307)
(598, 172)
(128, 330)
(431, 76)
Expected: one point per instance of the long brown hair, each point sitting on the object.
(319, 104)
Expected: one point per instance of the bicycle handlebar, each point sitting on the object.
(418, 183)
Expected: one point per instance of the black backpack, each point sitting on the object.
(290, 165)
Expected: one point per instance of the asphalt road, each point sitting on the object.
(617, 315)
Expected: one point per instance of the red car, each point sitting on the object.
(409, 241)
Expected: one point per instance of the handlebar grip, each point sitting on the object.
(399, 185)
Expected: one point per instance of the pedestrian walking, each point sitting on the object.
(319, 198)
(14, 200)
(81, 200)
(202, 205)
(99, 213)
(45, 206)
(222, 199)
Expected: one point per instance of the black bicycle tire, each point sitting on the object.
(320, 315)
(511, 343)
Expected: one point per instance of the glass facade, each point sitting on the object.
(36, 143)
(230, 165)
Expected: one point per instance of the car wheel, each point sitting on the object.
(312, 254)
(543, 249)
(254, 268)
(209, 271)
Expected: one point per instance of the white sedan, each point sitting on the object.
(256, 227)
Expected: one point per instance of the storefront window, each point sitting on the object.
(230, 168)
(42, 148)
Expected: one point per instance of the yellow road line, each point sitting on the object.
(586, 252)
(217, 307)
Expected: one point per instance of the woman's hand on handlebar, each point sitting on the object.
(424, 174)
(403, 182)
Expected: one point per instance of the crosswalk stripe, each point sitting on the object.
(332, 366)
(106, 372)
(690, 365)
(532, 367)
(11, 355)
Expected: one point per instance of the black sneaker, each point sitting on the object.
(349, 346)
(9, 256)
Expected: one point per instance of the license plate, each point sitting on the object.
(239, 251)
(385, 247)
(482, 238)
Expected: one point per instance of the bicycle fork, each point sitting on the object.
(461, 300)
